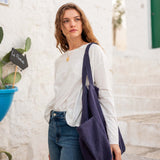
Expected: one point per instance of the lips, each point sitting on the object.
(73, 30)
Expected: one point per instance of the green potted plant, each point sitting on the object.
(7, 89)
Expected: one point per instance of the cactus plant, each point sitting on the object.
(5, 81)
(9, 78)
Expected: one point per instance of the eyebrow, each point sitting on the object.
(73, 17)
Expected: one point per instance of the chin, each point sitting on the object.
(75, 37)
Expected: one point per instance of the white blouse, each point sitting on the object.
(68, 87)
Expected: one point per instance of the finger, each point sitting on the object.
(113, 157)
(117, 156)
(112, 153)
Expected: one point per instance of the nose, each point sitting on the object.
(72, 23)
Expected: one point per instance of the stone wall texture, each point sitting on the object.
(23, 132)
(136, 75)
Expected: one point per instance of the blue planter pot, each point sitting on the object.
(6, 97)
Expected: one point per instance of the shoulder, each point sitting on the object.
(96, 48)
(98, 56)
(96, 51)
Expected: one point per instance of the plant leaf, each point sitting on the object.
(27, 44)
(20, 50)
(9, 79)
(8, 154)
(1, 84)
(1, 34)
(2, 87)
(5, 59)
(1, 70)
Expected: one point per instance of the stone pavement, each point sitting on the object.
(136, 91)
(141, 153)
(135, 157)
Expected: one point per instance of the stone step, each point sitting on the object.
(129, 105)
(145, 91)
(136, 78)
(134, 64)
(141, 153)
(141, 130)
(136, 70)
(135, 157)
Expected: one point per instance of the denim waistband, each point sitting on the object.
(57, 114)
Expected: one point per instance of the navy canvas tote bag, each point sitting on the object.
(93, 136)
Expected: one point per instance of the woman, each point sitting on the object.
(73, 32)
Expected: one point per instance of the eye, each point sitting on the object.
(65, 21)
(77, 19)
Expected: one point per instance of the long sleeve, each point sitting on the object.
(48, 109)
(102, 77)
(68, 88)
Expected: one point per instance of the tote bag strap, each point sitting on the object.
(86, 70)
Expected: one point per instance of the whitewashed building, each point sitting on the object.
(137, 80)
(23, 132)
(136, 75)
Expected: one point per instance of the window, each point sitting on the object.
(155, 23)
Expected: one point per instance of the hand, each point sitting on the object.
(49, 157)
(115, 148)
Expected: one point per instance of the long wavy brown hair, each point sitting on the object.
(87, 32)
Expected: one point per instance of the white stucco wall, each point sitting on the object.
(136, 80)
(23, 132)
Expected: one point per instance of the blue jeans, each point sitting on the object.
(63, 139)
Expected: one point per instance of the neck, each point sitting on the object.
(73, 44)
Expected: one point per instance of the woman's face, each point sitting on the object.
(71, 24)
